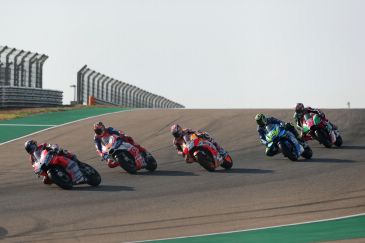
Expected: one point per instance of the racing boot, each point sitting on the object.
(299, 149)
(303, 143)
(112, 164)
(47, 181)
(221, 150)
(75, 171)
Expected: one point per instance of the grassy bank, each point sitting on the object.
(8, 114)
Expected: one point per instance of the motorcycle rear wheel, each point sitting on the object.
(308, 153)
(126, 161)
(323, 138)
(206, 160)
(227, 164)
(92, 175)
(60, 177)
(288, 152)
(151, 163)
(339, 141)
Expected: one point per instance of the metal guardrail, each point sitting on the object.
(112, 91)
(19, 68)
(21, 80)
(29, 97)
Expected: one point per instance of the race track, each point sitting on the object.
(182, 199)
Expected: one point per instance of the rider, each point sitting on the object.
(301, 111)
(35, 152)
(182, 136)
(102, 135)
(262, 121)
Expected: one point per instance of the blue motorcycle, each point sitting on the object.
(280, 140)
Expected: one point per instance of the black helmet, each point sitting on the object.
(30, 146)
(299, 108)
(261, 119)
(99, 128)
(176, 131)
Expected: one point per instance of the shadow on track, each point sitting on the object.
(326, 160)
(245, 171)
(104, 188)
(3, 232)
(167, 173)
(360, 147)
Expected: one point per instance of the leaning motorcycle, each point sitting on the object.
(206, 154)
(128, 156)
(64, 172)
(279, 142)
(314, 127)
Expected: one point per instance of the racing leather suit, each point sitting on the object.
(292, 133)
(298, 119)
(71, 161)
(103, 139)
(185, 138)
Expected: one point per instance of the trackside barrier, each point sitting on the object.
(29, 97)
(111, 91)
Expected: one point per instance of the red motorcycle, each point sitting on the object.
(65, 172)
(128, 156)
(314, 127)
(205, 153)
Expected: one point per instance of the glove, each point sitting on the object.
(106, 156)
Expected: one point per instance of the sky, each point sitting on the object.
(201, 53)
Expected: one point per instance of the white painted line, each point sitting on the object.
(61, 126)
(27, 125)
(253, 229)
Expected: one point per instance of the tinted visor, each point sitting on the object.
(30, 149)
(260, 122)
(99, 131)
(176, 134)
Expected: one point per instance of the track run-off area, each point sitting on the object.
(180, 199)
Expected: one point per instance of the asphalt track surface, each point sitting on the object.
(182, 199)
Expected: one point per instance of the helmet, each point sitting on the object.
(99, 128)
(261, 119)
(299, 108)
(176, 131)
(30, 146)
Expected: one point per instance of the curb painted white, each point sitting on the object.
(61, 125)
(253, 229)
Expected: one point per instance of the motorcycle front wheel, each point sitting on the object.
(60, 177)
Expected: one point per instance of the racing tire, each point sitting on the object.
(323, 138)
(339, 141)
(227, 164)
(151, 163)
(308, 153)
(92, 176)
(60, 177)
(206, 160)
(126, 161)
(288, 151)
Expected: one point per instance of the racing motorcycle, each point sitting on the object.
(314, 127)
(65, 172)
(128, 156)
(279, 141)
(205, 153)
